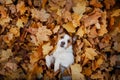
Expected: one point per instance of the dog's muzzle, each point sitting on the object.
(62, 44)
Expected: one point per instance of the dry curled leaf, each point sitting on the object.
(91, 19)
(76, 72)
(47, 48)
(109, 3)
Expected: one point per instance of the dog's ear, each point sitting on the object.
(61, 31)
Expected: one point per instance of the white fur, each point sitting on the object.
(62, 56)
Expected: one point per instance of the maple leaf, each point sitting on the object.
(81, 31)
(76, 72)
(41, 34)
(69, 27)
(41, 15)
(98, 63)
(116, 13)
(5, 54)
(90, 53)
(47, 48)
(80, 6)
(21, 7)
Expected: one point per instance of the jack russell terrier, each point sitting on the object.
(63, 55)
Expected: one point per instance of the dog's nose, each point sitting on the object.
(62, 44)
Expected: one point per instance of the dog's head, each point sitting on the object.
(64, 41)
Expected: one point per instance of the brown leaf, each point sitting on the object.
(97, 75)
(92, 19)
(109, 3)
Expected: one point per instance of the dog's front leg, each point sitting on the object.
(56, 65)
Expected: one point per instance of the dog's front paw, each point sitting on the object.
(48, 61)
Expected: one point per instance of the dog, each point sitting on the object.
(63, 55)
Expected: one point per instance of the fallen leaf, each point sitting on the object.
(21, 7)
(5, 54)
(79, 7)
(90, 53)
(11, 65)
(88, 71)
(113, 60)
(19, 23)
(3, 12)
(69, 27)
(98, 63)
(96, 3)
(109, 3)
(47, 48)
(41, 15)
(97, 75)
(76, 19)
(76, 72)
(81, 31)
(91, 19)
(4, 21)
(41, 34)
(116, 13)
(8, 2)
(55, 30)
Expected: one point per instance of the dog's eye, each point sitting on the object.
(61, 37)
(68, 41)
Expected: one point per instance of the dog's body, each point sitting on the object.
(63, 55)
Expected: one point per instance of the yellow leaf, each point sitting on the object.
(76, 19)
(47, 48)
(90, 53)
(19, 23)
(69, 27)
(76, 72)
